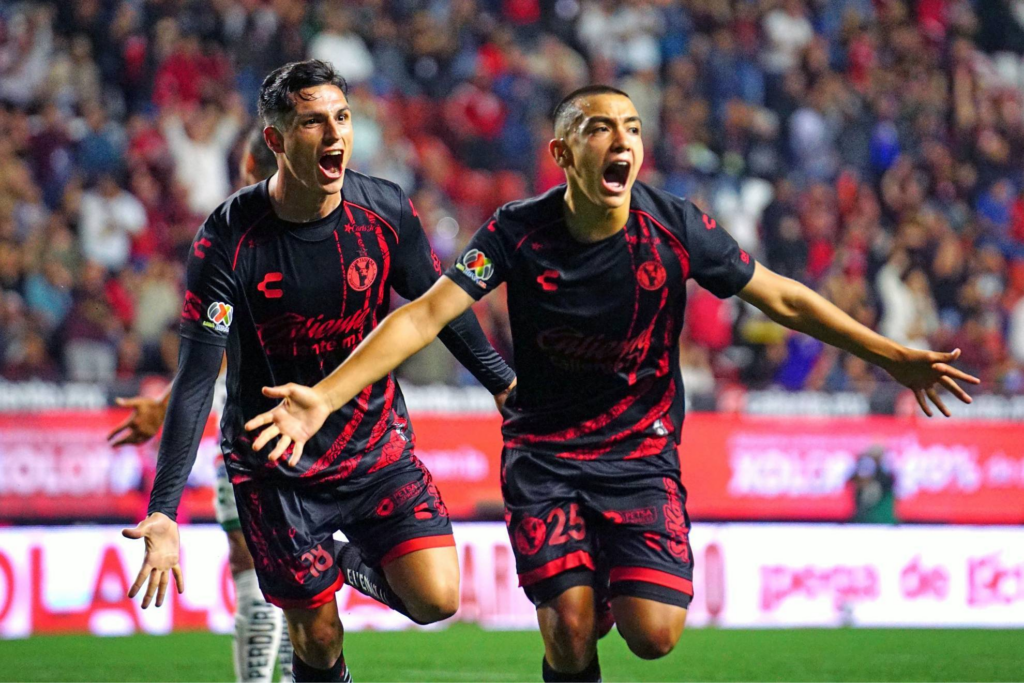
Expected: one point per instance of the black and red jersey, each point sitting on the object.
(595, 327)
(290, 301)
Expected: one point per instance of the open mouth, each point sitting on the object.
(615, 176)
(330, 163)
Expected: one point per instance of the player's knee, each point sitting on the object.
(438, 603)
(319, 644)
(573, 641)
(652, 643)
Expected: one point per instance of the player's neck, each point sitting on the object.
(589, 222)
(294, 202)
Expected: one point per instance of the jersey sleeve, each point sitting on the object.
(209, 288)
(716, 261)
(187, 410)
(417, 267)
(484, 264)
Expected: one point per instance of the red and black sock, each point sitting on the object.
(338, 673)
(591, 674)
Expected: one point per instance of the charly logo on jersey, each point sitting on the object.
(477, 266)
(219, 316)
(362, 273)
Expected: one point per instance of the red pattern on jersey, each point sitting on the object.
(674, 243)
(392, 451)
(339, 444)
(675, 522)
(432, 491)
(341, 261)
(658, 411)
(371, 215)
(381, 428)
(385, 254)
(591, 425)
(345, 468)
(652, 445)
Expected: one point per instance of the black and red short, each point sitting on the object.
(290, 529)
(566, 516)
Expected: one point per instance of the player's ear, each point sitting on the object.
(274, 139)
(560, 152)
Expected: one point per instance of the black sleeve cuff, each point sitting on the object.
(467, 342)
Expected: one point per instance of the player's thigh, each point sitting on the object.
(316, 633)
(551, 540)
(427, 581)
(650, 628)
(396, 517)
(640, 510)
(568, 625)
(289, 532)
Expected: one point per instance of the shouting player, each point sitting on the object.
(596, 272)
(290, 275)
(261, 636)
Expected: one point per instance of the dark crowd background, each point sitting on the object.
(869, 148)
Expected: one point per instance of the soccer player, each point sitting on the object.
(261, 636)
(290, 275)
(596, 272)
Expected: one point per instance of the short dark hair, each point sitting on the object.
(262, 160)
(566, 111)
(275, 100)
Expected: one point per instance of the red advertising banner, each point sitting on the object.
(57, 465)
(737, 467)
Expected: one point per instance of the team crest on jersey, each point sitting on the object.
(651, 275)
(219, 316)
(477, 266)
(362, 273)
(530, 534)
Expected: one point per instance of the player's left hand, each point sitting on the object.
(296, 419)
(161, 535)
(499, 399)
(923, 371)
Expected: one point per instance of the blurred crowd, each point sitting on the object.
(869, 148)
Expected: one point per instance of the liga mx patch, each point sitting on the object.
(477, 266)
(219, 316)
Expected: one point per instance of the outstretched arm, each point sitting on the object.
(790, 303)
(189, 405)
(303, 410)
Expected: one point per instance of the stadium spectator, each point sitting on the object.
(199, 142)
(108, 217)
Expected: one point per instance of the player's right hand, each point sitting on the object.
(142, 425)
(161, 535)
(296, 419)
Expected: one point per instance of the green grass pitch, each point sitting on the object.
(467, 653)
